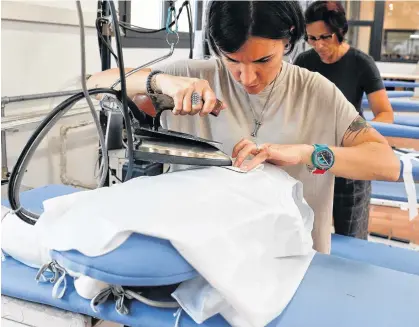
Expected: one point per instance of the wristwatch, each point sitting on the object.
(322, 159)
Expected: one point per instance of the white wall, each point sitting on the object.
(40, 52)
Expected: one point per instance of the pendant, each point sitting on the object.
(256, 129)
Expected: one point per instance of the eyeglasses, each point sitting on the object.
(312, 39)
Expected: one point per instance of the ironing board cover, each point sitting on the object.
(140, 261)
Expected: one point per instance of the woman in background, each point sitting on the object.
(354, 73)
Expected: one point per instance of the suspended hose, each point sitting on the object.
(124, 96)
(42, 129)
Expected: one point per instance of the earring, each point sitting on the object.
(287, 46)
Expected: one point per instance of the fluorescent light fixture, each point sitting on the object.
(414, 36)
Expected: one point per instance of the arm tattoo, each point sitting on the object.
(359, 125)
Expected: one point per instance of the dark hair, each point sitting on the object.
(231, 23)
(331, 13)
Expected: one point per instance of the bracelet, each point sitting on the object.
(151, 82)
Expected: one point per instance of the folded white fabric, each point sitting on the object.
(231, 227)
(20, 241)
(199, 299)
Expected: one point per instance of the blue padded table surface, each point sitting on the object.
(378, 254)
(332, 287)
(399, 119)
(394, 130)
(400, 84)
(32, 199)
(393, 191)
(18, 280)
(398, 104)
(396, 94)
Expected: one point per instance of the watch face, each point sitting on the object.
(324, 159)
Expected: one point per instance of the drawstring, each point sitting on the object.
(58, 278)
(119, 294)
(12, 212)
(177, 314)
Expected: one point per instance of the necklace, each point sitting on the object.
(258, 122)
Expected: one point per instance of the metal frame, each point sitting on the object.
(155, 40)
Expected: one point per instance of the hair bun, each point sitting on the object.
(332, 6)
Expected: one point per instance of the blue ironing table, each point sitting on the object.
(410, 119)
(335, 292)
(408, 85)
(398, 104)
(396, 94)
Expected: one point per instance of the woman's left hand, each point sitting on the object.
(277, 154)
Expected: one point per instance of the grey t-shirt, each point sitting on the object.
(305, 108)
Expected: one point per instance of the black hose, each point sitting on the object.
(130, 143)
(17, 170)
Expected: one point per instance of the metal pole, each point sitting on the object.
(39, 96)
(4, 168)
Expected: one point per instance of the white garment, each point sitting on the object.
(230, 226)
(199, 299)
(20, 241)
(88, 287)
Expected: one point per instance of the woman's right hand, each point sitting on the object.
(181, 89)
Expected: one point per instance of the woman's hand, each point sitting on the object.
(277, 154)
(181, 90)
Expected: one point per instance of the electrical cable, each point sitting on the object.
(124, 96)
(41, 130)
(105, 163)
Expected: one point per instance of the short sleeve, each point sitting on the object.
(335, 103)
(188, 68)
(370, 77)
(299, 61)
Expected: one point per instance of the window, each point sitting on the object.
(147, 17)
(152, 15)
(360, 37)
(183, 19)
(401, 31)
(359, 10)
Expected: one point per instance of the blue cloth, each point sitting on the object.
(399, 119)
